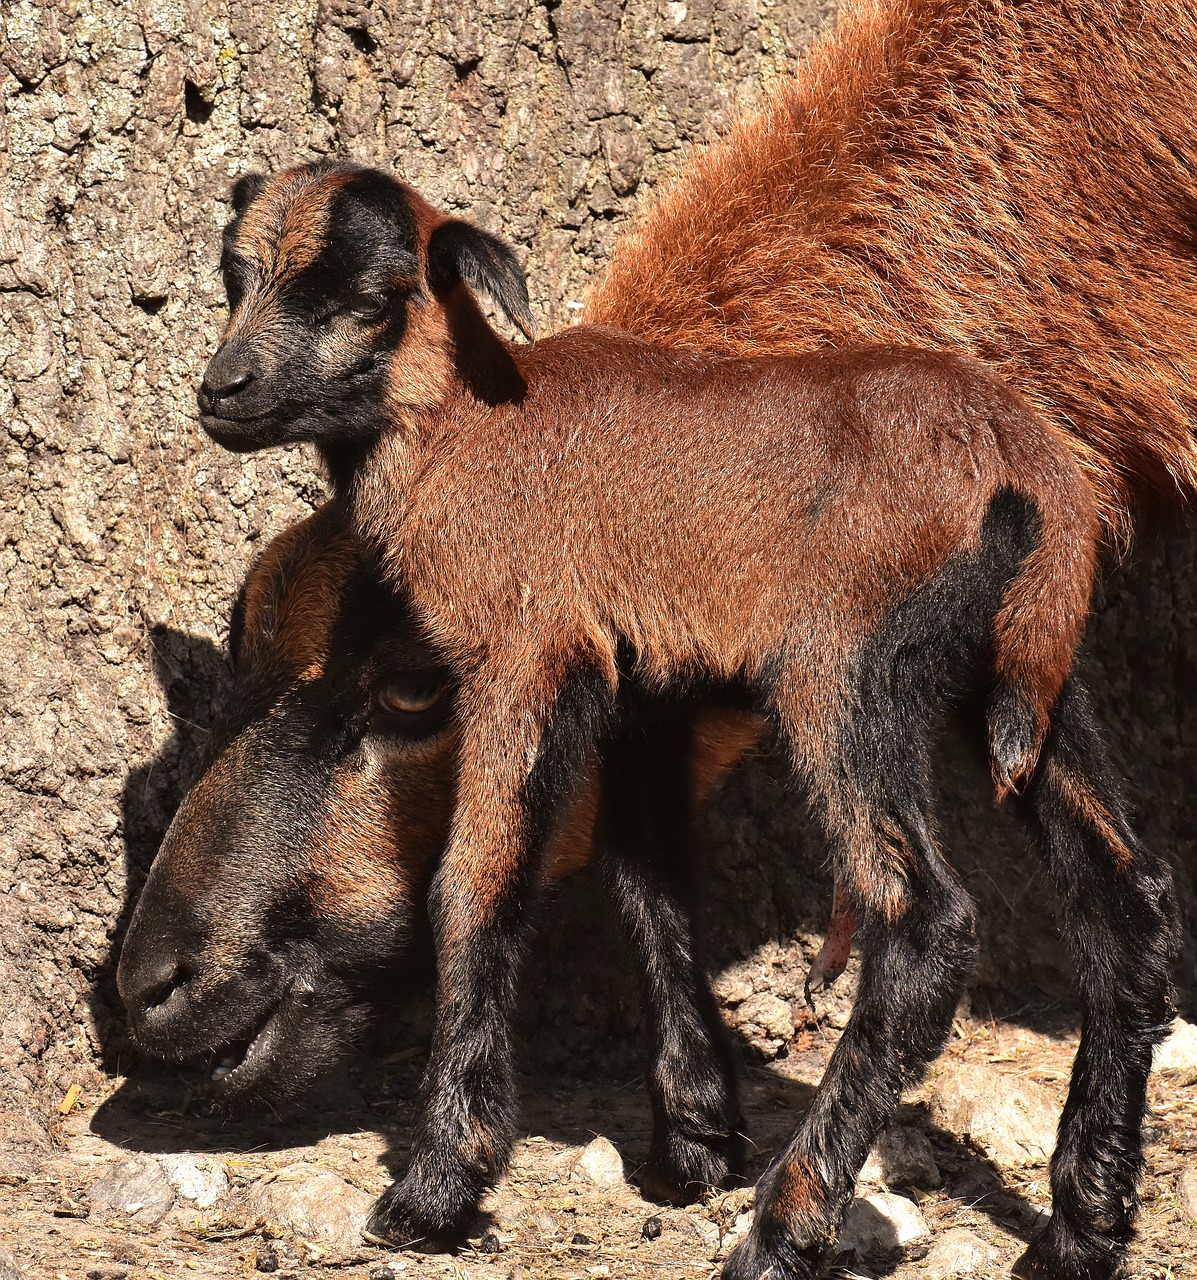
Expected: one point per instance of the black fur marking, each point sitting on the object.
(645, 849)
(246, 190)
(460, 253)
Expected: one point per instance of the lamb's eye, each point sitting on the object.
(366, 306)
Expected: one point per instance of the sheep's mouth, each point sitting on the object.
(287, 1048)
(235, 1068)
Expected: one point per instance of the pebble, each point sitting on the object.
(882, 1222)
(1186, 1193)
(201, 1181)
(902, 1157)
(958, 1252)
(1179, 1051)
(266, 1260)
(652, 1228)
(138, 1189)
(8, 1267)
(600, 1163)
(1012, 1121)
(315, 1204)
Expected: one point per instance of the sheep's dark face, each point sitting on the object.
(343, 286)
(288, 893)
(321, 266)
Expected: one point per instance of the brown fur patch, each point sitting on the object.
(293, 593)
(1089, 809)
(1010, 180)
(800, 1200)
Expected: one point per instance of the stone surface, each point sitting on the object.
(314, 1204)
(1012, 1121)
(881, 1222)
(1186, 1193)
(902, 1157)
(196, 1178)
(958, 1252)
(138, 1189)
(600, 1164)
(1179, 1051)
(8, 1267)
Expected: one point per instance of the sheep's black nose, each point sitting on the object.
(227, 375)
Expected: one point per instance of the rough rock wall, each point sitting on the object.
(123, 533)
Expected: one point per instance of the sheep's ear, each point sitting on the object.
(246, 190)
(459, 253)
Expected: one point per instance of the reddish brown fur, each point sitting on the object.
(882, 463)
(1015, 181)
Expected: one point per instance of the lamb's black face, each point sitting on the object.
(321, 269)
(288, 893)
(345, 292)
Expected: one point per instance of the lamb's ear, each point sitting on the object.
(246, 190)
(460, 253)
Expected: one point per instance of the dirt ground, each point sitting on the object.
(547, 1219)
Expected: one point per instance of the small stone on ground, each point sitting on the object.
(314, 1204)
(8, 1267)
(1012, 1121)
(902, 1157)
(201, 1181)
(1179, 1051)
(138, 1189)
(600, 1163)
(1186, 1192)
(880, 1223)
(959, 1252)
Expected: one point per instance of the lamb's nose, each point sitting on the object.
(227, 375)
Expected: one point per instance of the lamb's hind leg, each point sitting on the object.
(1119, 916)
(645, 844)
(917, 946)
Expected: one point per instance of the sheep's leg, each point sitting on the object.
(644, 840)
(521, 749)
(1119, 916)
(916, 932)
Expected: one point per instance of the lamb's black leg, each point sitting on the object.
(914, 962)
(1119, 917)
(645, 846)
(522, 750)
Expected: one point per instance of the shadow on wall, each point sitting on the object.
(194, 676)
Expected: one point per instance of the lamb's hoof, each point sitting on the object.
(683, 1168)
(771, 1257)
(1053, 1255)
(408, 1217)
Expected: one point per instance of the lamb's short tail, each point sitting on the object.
(1040, 623)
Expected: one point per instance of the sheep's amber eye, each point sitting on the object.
(366, 306)
(408, 696)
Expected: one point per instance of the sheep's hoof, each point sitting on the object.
(409, 1217)
(1056, 1255)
